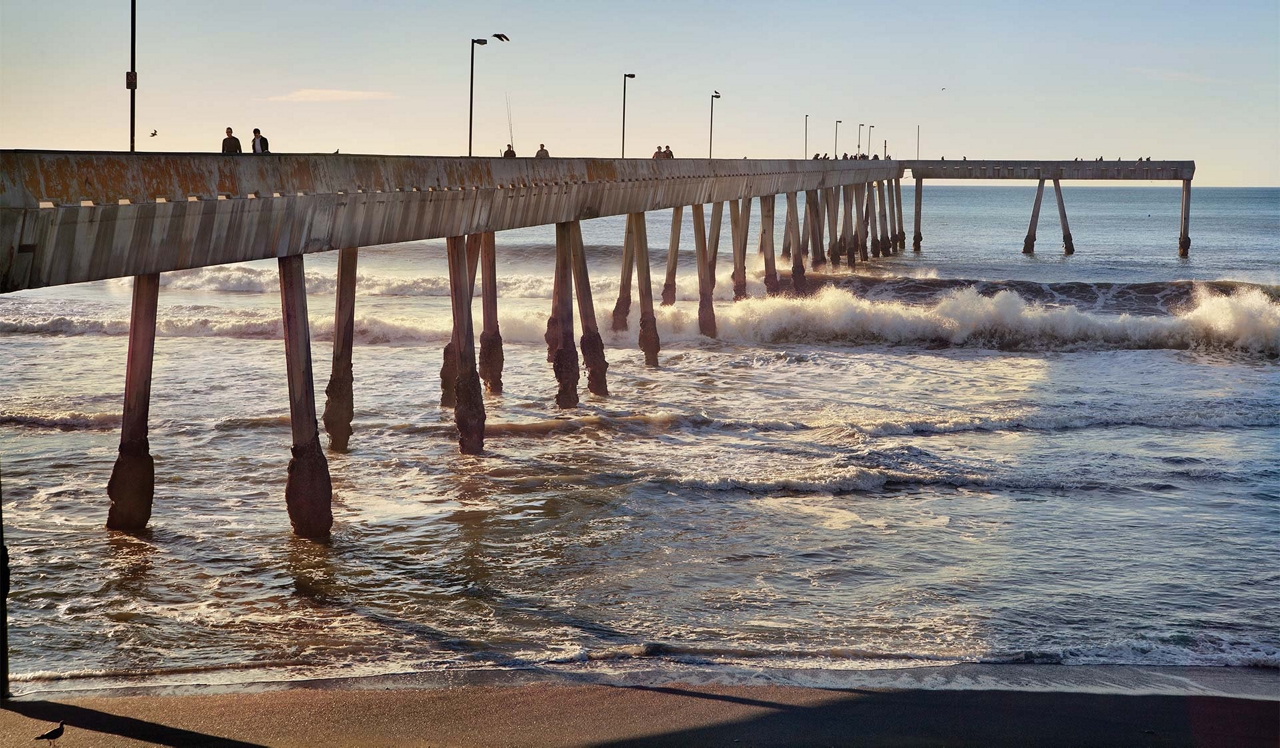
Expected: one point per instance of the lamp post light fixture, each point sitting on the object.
(869, 146)
(711, 131)
(625, 76)
(859, 139)
(471, 105)
(806, 137)
(835, 146)
(131, 77)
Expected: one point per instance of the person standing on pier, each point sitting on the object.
(667, 153)
(657, 152)
(231, 144)
(260, 144)
(542, 151)
(510, 152)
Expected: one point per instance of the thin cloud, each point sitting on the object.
(332, 94)
(1172, 76)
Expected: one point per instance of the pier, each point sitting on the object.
(73, 217)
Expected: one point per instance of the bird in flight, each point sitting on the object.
(154, 133)
(53, 734)
(944, 88)
(502, 37)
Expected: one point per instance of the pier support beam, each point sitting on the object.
(308, 494)
(713, 239)
(673, 257)
(622, 309)
(813, 209)
(564, 356)
(491, 358)
(876, 249)
(788, 229)
(449, 359)
(1029, 244)
(799, 286)
(1184, 236)
(1068, 247)
(859, 226)
(833, 225)
(897, 197)
(468, 411)
(741, 217)
(706, 308)
(133, 478)
(805, 229)
(915, 240)
(886, 248)
(649, 342)
(891, 226)
(339, 404)
(767, 205)
(846, 226)
(592, 345)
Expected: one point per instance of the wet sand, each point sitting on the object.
(674, 714)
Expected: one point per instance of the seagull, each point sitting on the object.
(154, 133)
(53, 734)
(338, 150)
(944, 88)
(502, 37)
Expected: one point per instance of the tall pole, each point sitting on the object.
(859, 153)
(625, 76)
(835, 146)
(712, 129)
(917, 142)
(131, 82)
(471, 101)
(869, 146)
(886, 151)
(806, 136)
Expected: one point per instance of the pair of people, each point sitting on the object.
(231, 144)
(660, 153)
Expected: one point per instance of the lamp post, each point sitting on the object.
(869, 146)
(835, 147)
(471, 105)
(625, 76)
(711, 132)
(886, 151)
(806, 136)
(859, 139)
(131, 77)
(917, 142)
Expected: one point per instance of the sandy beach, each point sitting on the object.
(1215, 708)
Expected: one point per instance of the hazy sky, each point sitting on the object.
(1023, 79)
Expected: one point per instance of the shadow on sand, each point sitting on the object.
(93, 720)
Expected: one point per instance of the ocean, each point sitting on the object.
(965, 455)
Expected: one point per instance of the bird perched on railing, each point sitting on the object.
(53, 734)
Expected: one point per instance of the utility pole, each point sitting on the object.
(711, 132)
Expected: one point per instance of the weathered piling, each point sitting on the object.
(706, 308)
(1068, 247)
(919, 197)
(876, 249)
(673, 257)
(622, 309)
(833, 224)
(491, 358)
(339, 404)
(859, 225)
(787, 226)
(803, 223)
(846, 226)
(449, 358)
(1029, 244)
(768, 204)
(565, 355)
(813, 210)
(799, 286)
(592, 345)
(891, 227)
(902, 233)
(649, 342)
(308, 492)
(1184, 235)
(133, 478)
(713, 239)
(743, 222)
(468, 412)
(886, 248)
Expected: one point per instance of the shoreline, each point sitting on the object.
(986, 705)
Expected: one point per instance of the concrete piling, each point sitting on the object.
(622, 309)
(868, 207)
(859, 226)
(886, 248)
(706, 308)
(132, 484)
(649, 342)
(1068, 247)
(788, 228)
(833, 224)
(876, 248)
(565, 356)
(449, 358)
(742, 220)
(919, 196)
(468, 411)
(308, 492)
(339, 405)
(814, 208)
(1184, 235)
(491, 358)
(799, 286)
(767, 205)
(713, 239)
(891, 226)
(846, 227)
(897, 194)
(805, 229)
(592, 345)
(673, 257)
(1029, 244)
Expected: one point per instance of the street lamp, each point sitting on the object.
(471, 106)
(711, 132)
(869, 146)
(625, 76)
(859, 139)
(835, 147)
(131, 77)
(806, 136)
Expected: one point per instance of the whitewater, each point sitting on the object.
(965, 455)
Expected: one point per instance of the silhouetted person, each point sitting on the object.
(657, 152)
(510, 152)
(542, 151)
(231, 144)
(666, 152)
(876, 157)
(259, 143)
(817, 157)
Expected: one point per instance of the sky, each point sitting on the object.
(1117, 79)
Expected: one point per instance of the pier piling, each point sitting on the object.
(706, 309)
(767, 205)
(622, 309)
(468, 410)
(491, 358)
(859, 225)
(564, 357)
(833, 225)
(846, 227)
(713, 239)
(891, 226)
(133, 478)
(886, 248)
(308, 492)
(788, 228)
(649, 342)
(449, 358)
(339, 405)
(897, 197)
(799, 286)
(1184, 235)
(919, 196)
(743, 221)
(673, 257)
(805, 228)
(592, 345)
(1068, 247)
(872, 229)
(813, 211)
(1029, 244)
